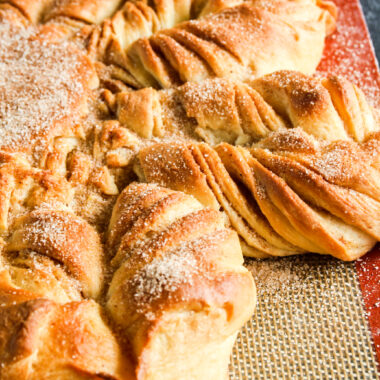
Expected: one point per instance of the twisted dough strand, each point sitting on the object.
(220, 110)
(288, 194)
(252, 38)
(52, 260)
(175, 260)
(170, 258)
(88, 11)
(141, 19)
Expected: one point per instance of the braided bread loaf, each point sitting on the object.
(157, 290)
(313, 188)
(161, 14)
(288, 194)
(139, 19)
(220, 110)
(252, 38)
(83, 11)
(178, 292)
(49, 328)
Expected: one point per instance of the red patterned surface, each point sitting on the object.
(369, 277)
(349, 53)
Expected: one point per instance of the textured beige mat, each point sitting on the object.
(309, 323)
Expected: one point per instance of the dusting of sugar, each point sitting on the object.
(167, 274)
(216, 93)
(36, 85)
(349, 53)
(274, 276)
(170, 161)
(283, 280)
(292, 140)
(334, 164)
(315, 324)
(54, 228)
(164, 274)
(368, 269)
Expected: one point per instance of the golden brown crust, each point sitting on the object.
(47, 103)
(175, 167)
(141, 19)
(39, 337)
(252, 38)
(353, 207)
(35, 332)
(238, 163)
(186, 228)
(229, 194)
(299, 194)
(20, 327)
(68, 13)
(140, 112)
(170, 292)
(161, 215)
(31, 9)
(63, 237)
(330, 178)
(220, 110)
(11, 14)
(41, 276)
(24, 187)
(335, 105)
(76, 333)
(89, 11)
(129, 206)
(178, 259)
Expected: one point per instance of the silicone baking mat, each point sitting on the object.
(316, 317)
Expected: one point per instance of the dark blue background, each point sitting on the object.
(371, 10)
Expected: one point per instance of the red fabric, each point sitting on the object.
(349, 53)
